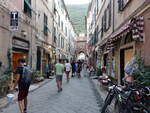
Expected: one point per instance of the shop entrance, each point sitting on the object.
(125, 56)
(16, 56)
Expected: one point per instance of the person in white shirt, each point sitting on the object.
(67, 69)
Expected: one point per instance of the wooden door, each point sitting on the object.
(16, 56)
(128, 56)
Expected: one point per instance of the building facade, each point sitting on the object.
(121, 32)
(30, 37)
(45, 48)
(65, 35)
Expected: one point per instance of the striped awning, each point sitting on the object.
(137, 26)
(121, 31)
(134, 25)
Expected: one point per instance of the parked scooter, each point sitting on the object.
(104, 79)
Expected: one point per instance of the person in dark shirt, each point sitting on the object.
(23, 89)
(73, 68)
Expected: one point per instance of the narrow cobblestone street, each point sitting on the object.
(77, 97)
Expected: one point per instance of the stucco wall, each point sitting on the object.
(127, 13)
(145, 51)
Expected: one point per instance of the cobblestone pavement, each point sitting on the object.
(77, 96)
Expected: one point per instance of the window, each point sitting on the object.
(122, 4)
(45, 24)
(66, 31)
(102, 29)
(55, 38)
(62, 26)
(59, 20)
(55, 11)
(62, 42)
(104, 21)
(107, 18)
(27, 7)
(59, 37)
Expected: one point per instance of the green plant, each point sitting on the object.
(141, 74)
(5, 76)
(98, 72)
(35, 74)
(7, 73)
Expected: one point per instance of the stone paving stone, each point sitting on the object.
(77, 97)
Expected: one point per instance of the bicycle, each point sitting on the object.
(124, 102)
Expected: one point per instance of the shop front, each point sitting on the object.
(20, 49)
(122, 46)
(46, 57)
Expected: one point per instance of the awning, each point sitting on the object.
(103, 42)
(121, 31)
(136, 25)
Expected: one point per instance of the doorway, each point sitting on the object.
(125, 56)
(38, 64)
(16, 56)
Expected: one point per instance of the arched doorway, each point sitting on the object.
(81, 56)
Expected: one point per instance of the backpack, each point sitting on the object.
(26, 76)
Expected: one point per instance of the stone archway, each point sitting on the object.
(81, 46)
(81, 55)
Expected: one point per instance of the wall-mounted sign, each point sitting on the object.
(14, 20)
(21, 44)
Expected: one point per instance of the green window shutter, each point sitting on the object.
(28, 3)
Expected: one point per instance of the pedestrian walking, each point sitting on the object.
(23, 80)
(50, 68)
(59, 70)
(67, 69)
(73, 68)
(84, 69)
(47, 70)
(79, 68)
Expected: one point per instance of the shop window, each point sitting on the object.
(27, 7)
(45, 25)
(122, 4)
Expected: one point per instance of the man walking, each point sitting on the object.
(23, 87)
(59, 70)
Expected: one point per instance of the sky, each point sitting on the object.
(77, 1)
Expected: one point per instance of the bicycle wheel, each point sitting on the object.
(139, 108)
(108, 100)
(121, 108)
